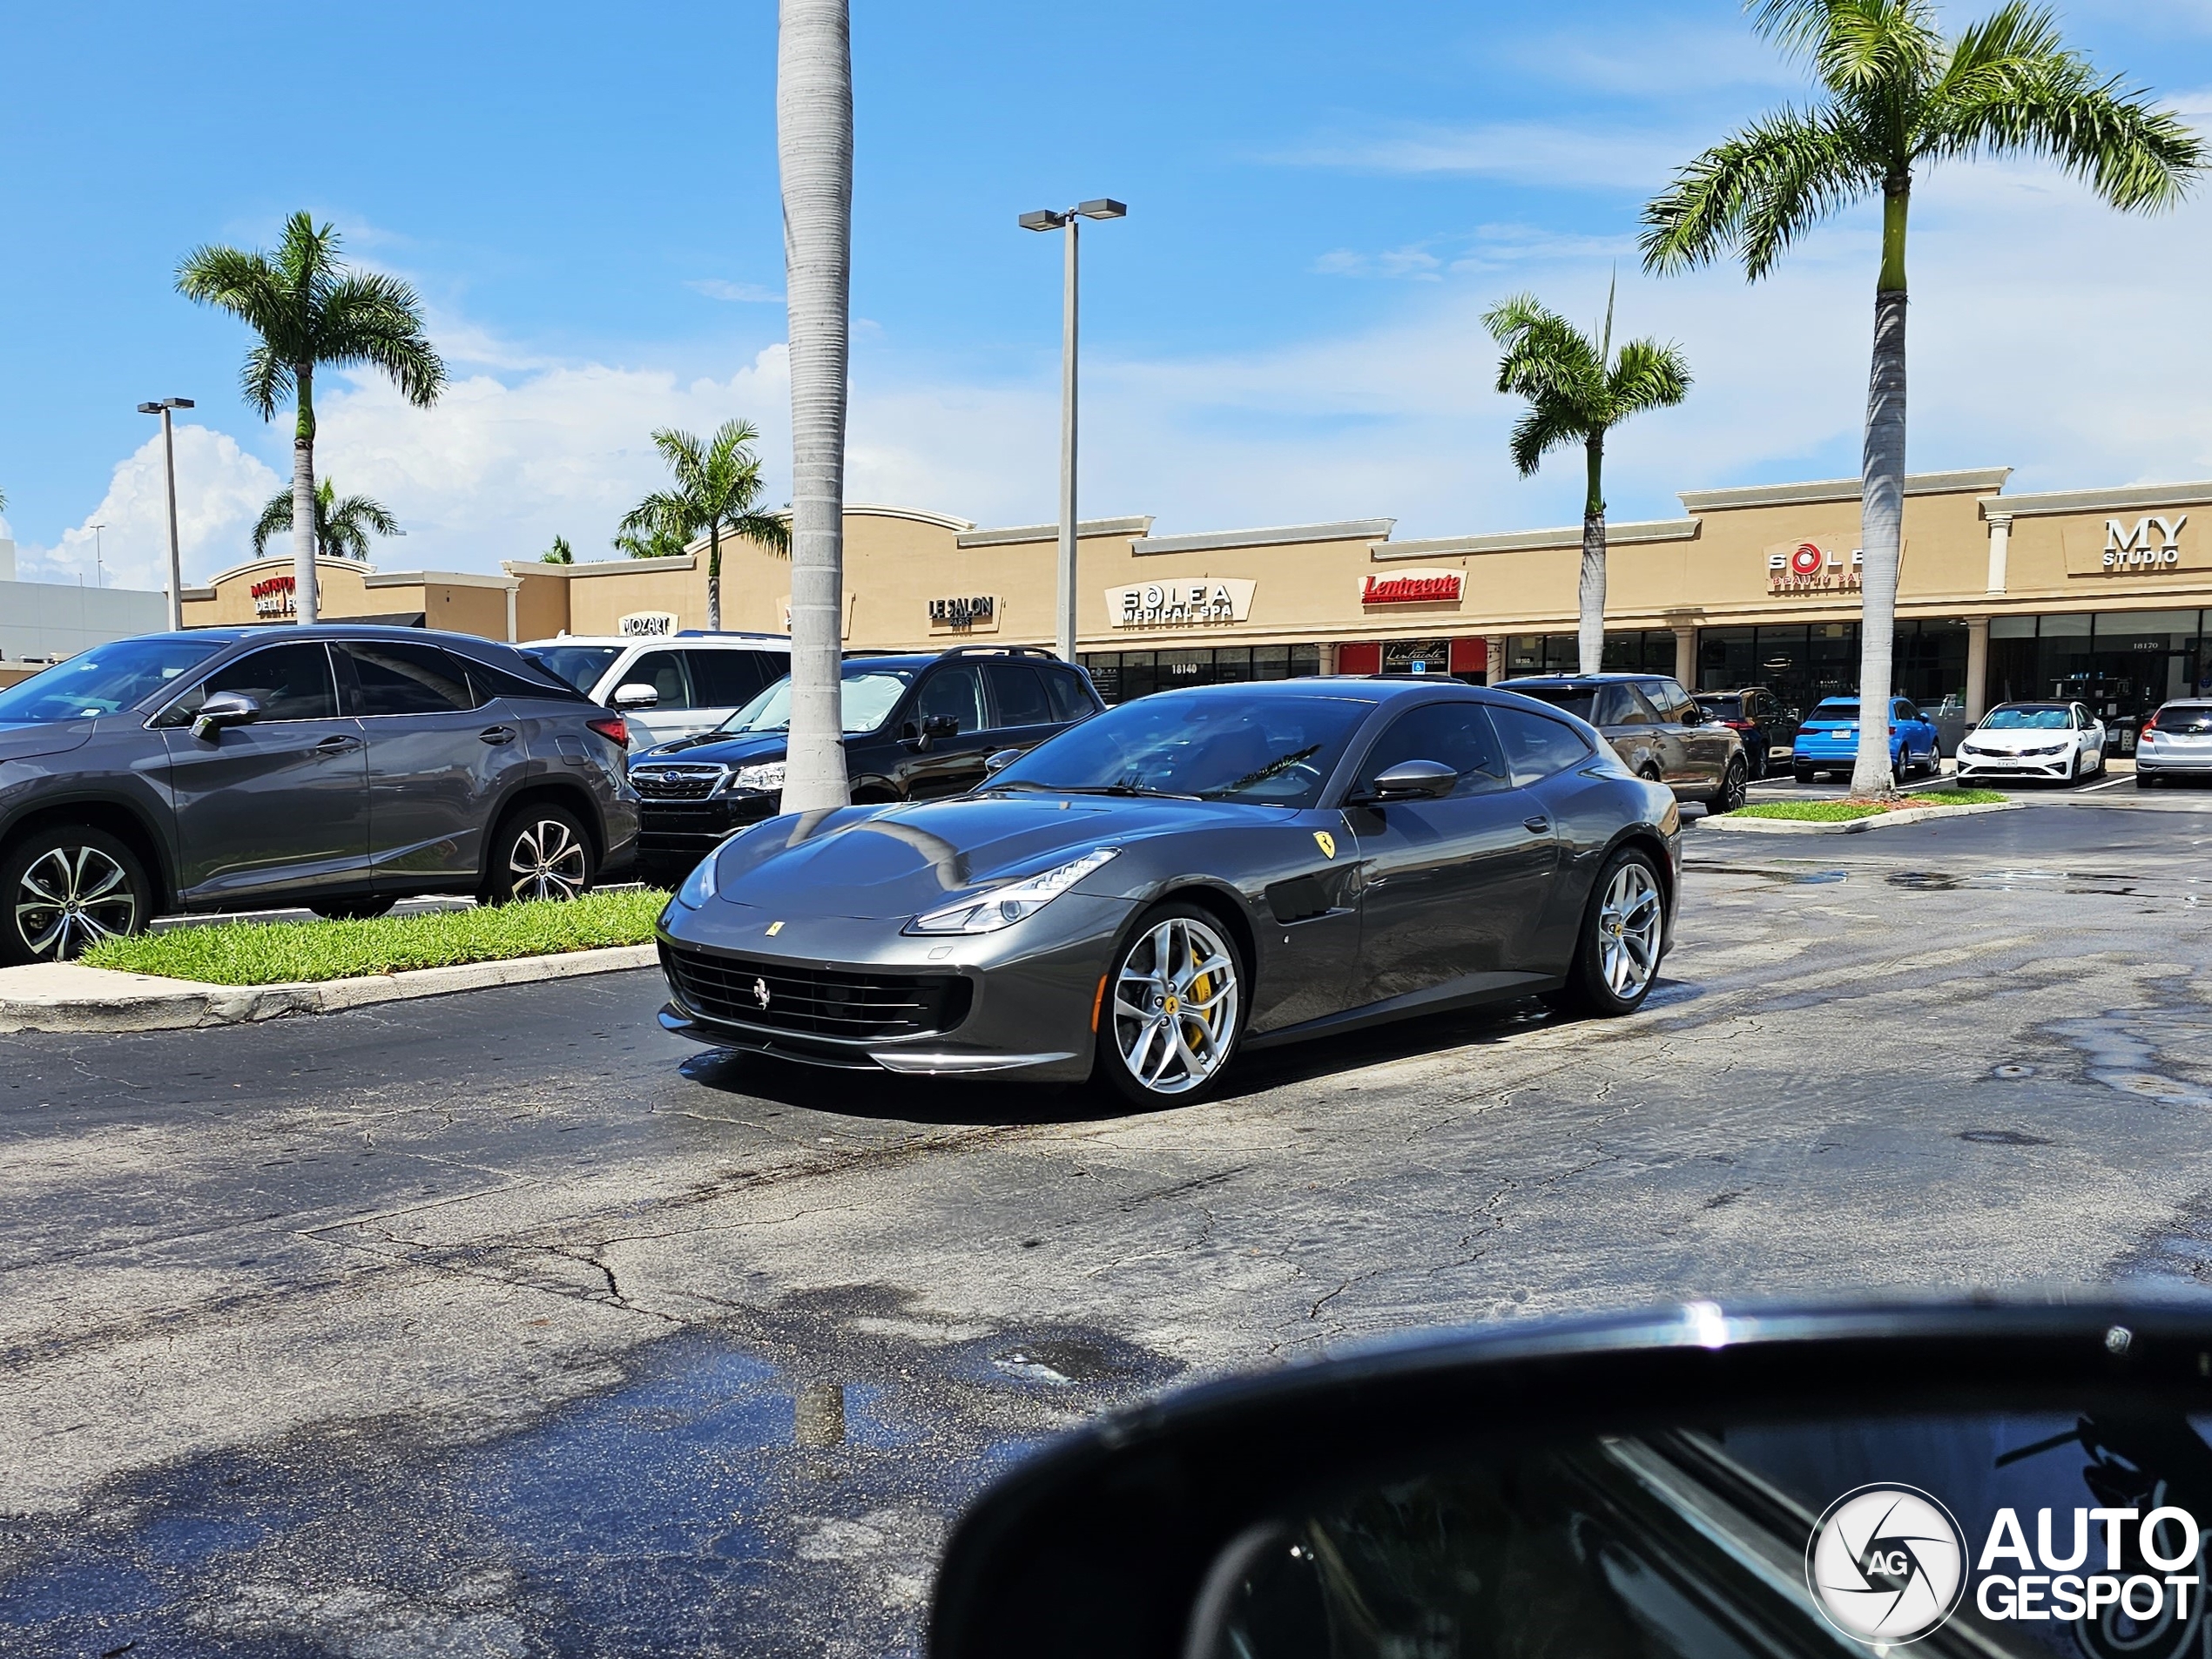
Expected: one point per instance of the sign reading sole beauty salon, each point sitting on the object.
(1813, 567)
(1185, 602)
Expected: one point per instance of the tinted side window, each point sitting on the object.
(527, 678)
(408, 679)
(664, 672)
(290, 681)
(1623, 705)
(1070, 701)
(1537, 746)
(1457, 734)
(727, 679)
(955, 689)
(1016, 694)
(1668, 699)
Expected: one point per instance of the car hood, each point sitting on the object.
(714, 746)
(28, 740)
(2014, 741)
(886, 863)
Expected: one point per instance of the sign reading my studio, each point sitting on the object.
(2150, 545)
(977, 613)
(1411, 588)
(1181, 603)
(647, 623)
(272, 597)
(1812, 567)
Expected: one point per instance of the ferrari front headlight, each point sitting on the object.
(698, 886)
(1003, 906)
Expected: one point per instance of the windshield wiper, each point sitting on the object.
(1144, 791)
(1264, 772)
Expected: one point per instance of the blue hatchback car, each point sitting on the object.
(1828, 741)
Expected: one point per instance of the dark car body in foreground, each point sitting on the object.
(1656, 728)
(1183, 875)
(340, 767)
(918, 727)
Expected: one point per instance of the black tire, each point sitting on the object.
(352, 909)
(112, 893)
(1802, 774)
(1118, 1030)
(538, 852)
(1589, 990)
(1734, 786)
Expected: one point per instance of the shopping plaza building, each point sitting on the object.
(2095, 594)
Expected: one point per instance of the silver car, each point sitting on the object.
(2177, 742)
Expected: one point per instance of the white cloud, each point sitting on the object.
(750, 294)
(1415, 263)
(220, 491)
(1550, 156)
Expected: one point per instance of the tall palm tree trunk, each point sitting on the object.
(1881, 513)
(814, 148)
(714, 576)
(1590, 630)
(303, 498)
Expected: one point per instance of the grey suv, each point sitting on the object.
(338, 767)
(1657, 729)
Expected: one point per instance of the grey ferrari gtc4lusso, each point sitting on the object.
(1186, 876)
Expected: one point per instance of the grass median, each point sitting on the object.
(1839, 812)
(260, 953)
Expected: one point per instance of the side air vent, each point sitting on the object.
(1298, 898)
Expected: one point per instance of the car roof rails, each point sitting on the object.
(711, 633)
(1002, 651)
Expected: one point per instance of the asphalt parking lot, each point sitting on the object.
(507, 1324)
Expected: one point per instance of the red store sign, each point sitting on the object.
(1415, 587)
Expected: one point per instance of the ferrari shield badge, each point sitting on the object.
(1326, 842)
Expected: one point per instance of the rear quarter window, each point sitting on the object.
(1536, 745)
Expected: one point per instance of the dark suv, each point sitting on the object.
(915, 727)
(1657, 729)
(341, 768)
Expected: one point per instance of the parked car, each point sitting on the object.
(1757, 716)
(2177, 742)
(1828, 741)
(916, 728)
(2056, 742)
(668, 685)
(338, 767)
(1657, 729)
(1182, 877)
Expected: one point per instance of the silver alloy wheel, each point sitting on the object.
(1627, 931)
(70, 898)
(1175, 1006)
(548, 862)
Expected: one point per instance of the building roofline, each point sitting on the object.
(1628, 535)
(2197, 494)
(1979, 481)
(1140, 525)
(599, 567)
(1349, 530)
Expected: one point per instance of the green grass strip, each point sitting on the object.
(276, 953)
(1839, 812)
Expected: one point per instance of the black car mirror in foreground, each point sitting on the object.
(1411, 780)
(1978, 1479)
(999, 759)
(224, 709)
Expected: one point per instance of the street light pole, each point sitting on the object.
(169, 458)
(1046, 219)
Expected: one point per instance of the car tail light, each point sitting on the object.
(2147, 726)
(614, 729)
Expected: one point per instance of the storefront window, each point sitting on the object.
(1650, 650)
(1123, 675)
(1416, 657)
(2122, 664)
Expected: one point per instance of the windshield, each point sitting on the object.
(580, 665)
(105, 678)
(870, 695)
(2026, 720)
(1271, 751)
(1836, 712)
(1729, 708)
(1577, 700)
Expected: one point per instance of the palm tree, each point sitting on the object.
(559, 553)
(654, 545)
(716, 486)
(342, 527)
(311, 311)
(1578, 390)
(1897, 96)
(814, 150)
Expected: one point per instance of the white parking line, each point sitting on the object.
(2108, 783)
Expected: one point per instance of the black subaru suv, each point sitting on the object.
(915, 727)
(339, 767)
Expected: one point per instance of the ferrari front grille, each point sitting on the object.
(862, 1006)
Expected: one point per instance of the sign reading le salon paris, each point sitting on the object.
(1812, 567)
(1156, 604)
(967, 614)
(648, 623)
(1411, 587)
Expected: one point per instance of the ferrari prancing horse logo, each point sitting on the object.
(1326, 842)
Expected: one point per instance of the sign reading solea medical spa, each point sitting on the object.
(1185, 602)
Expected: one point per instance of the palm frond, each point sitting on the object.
(1758, 191)
(275, 520)
(1545, 428)
(771, 530)
(1546, 358)
(366, 317)
(1646, 375)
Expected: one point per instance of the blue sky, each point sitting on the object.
(1323, 200)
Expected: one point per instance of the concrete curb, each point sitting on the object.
(66, 997)
(1855, 825)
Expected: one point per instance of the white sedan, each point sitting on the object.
(2057, 742)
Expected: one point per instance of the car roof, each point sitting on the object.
(1608, 678)
(748, 641)
(2034, 703)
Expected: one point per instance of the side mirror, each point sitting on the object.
(637, 695)
(1871, 1474)
(224, 709)
(1693, 716)
(1412, 781)
(941, 725)
(1000, 760)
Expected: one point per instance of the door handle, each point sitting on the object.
(1537, 823)
(337, 746)
(497, 734)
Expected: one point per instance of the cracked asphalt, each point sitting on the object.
(506, 1324)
